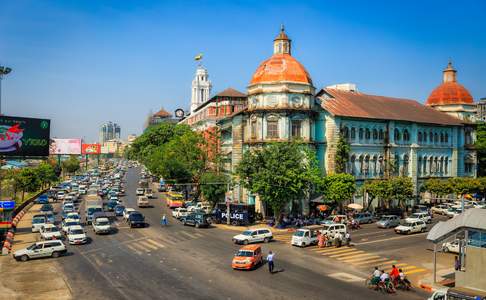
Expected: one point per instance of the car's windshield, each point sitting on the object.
(102, 223)
(136, 217)
(245, 253)
(38, 220)
(31, 247)
(76, 231)
(416, 215)
(385, 218)
(51, 229)
(299, 233)
(72, 223)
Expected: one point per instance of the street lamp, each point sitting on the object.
(3, 71)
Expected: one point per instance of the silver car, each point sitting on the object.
(388, 221)
(41, 249)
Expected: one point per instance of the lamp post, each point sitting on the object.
(3, 71)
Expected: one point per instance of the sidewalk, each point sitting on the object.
(34, 279)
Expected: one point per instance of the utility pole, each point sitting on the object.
(3, 71)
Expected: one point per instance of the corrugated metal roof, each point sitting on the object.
(473, 218)
(359, 105)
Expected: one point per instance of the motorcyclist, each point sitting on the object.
(376, 276)
(403, 278)
(394, 274)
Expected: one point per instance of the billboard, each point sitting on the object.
(65, 146)
(24, 137)
(91, 149)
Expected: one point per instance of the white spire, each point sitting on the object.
(201, 88)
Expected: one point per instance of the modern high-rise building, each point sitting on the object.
(109, 131)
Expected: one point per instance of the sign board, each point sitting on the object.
(65, 146)
(104, 150)
(7, 205)
(24, 137)
(91, 149)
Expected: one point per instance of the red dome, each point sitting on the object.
(449, 93)
(281, 67)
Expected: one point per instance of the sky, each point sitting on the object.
(83, 63)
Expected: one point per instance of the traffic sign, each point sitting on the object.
(7, 204)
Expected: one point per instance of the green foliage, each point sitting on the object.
(464, 185)
(437, 187)
(480, 146)
(27, 180)
(214, 186)
(342, 155)
(279, 173)
(338, 187)
(399, 189)
(46, 173)
(71, 165)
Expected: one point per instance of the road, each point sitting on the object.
(178, 262)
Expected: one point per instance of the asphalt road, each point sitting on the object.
(178, 262)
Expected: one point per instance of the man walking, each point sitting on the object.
(270, 261)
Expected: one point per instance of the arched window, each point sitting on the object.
(446, 138)
(419, 166)
(272, 127)
(361, 164)
(374, 165)
(431, 137)
(446, 165)
(436, 165)
(381, 165)
(436, 138)
(375, 134)
(405, 166)
(424, 165)
(367, 134)
(360, 134)
(441, 137)
(345, 132)
(431, 165)
(352, 166)
(468, 136)
(381, 135)
(441, 165)
(419, 137)
(353, 133)
(425, 137)
(406, 136)
(366, 167)
(397, 135)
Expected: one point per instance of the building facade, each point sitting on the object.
(387, 136)
(159, 117)
(201, 88)
(109, 131)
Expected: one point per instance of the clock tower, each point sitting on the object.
(201, 88)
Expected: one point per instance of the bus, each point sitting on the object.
(175, 199)
(162, 186)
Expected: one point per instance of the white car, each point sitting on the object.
(41, 249)
(412, 227)
(126, 212)
(67, 223)
(60, 195)
(253, 236)
(440, 209)
(73, 215)
(82, 191)
(476, 204)
(452, 247)
(38, 221)
(140, 192)
(76, 235)
(101, 225)
(179, 212)
(422, 216)
(453, 211)
(49, 232)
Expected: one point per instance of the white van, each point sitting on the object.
(306, 236)
(332, 229)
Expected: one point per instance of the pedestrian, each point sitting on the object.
(164, 220)
(457, 263)
(338, 239)
(348, 238)
(270, 261)
(320, 239)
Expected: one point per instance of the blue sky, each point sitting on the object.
(82, 63)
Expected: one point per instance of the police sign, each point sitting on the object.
(7, 204)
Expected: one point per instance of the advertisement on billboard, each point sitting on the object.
(65, 146)
(91, 149)
(104, 150)
(24, 137)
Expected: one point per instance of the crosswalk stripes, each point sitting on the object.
(155, 243)
(149, 245)
(133, 249)
(358, 259)
(343, 253)
(416, 271)
(376, 261)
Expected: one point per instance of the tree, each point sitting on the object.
(480, 146)
(342, 155)
(71, 165)
(437, 187)
(46, 174)
(279, 173)
(27, 180)
(401, 189)
(462, 185)
(214, 187)
(338, 188)
(379, 189)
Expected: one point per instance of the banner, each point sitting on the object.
(90, 149)
(65, 146)
(104, 150)
(24, 137)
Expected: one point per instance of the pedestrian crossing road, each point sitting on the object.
(358, 258)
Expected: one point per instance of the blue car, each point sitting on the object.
(110, 206)
(50, 217)
(42, 199)
(119, 209)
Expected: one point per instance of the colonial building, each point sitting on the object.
(387, 136)
(159, 117)
(201, 88)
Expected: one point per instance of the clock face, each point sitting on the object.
(297, 101)
(272, 101)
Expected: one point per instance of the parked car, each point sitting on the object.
(411, 227)
(38, 221)
(388, 221)
(197, 219)
(119, 210)
(306, 236)
(440, 209)
(136, 219)
(76, 235)
(421, 208)
(343, 219)
(53, 248)
(452, 247)
(248, 257)
(60, 195)
(143, 201)
(140, 192)
(364, 218)
(332, 229)
(179, 212)
(49, 232)
(423, 216)
(253, 236)
(453, 211)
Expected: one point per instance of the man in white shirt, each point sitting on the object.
(270, 261)
(384, 276)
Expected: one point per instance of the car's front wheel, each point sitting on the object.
(446, 250)
(24, 258)
(266, 240)
(245, 242)
(55, 254)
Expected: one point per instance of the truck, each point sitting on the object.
(240, 214)
(94, 204)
